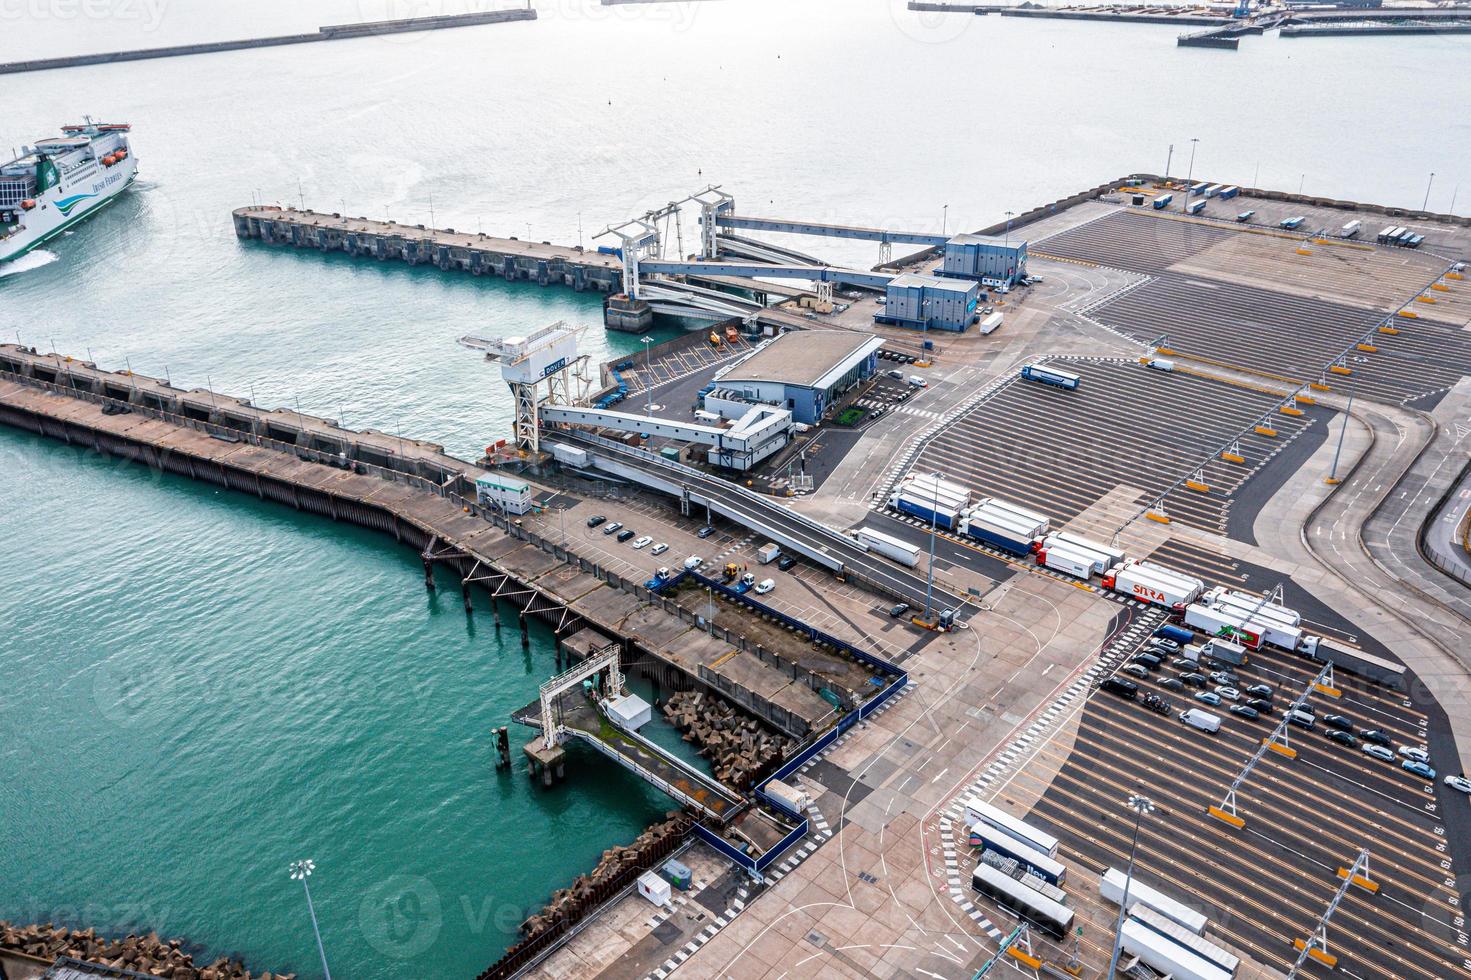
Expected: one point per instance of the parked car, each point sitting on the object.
(1343, 738)
(1135, 670)
(1415, 754)
(1193, 678)
(1459, 782)
(1265, 707)
(1339, 721)
(626, 535)
(1146, 660)
(613, 528)
(1184, 663)
(643, 543)
(898, 609)
(1172, 683)
(659, 548)
(1162, 643)
(1377, 751)
(1209, 697)
(693, 562)
(705, 531)
(1229, 693)
(1224, 677)
(766, 586)
(786, 562)
(1259, 691)
(1245, 711)
(1418, 768)
(595, 520)
(1375, 736)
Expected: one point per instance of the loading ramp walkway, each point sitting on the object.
(578, 717)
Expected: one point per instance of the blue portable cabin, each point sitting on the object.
(1228, 192)
(1163, 201)
(1198, 188)
(1195, 207)
(1291, 223)
(1051, 376)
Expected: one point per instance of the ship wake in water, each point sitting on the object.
(32, 260)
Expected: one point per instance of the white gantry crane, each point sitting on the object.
(548, 357)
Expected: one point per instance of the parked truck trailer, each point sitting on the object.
(1153, 583)
(1344, 657)
(1166, 956)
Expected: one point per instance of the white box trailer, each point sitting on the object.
(998, 511)
(1112, 888)
(924, 506)
(769, 553)
(1354, 661)
(1222, 596)
(930, 486)
(889, 546)
(1231, 625)
(1065, 558)
(1153, 583)
(991, 323)
(1166, 956)
(1101, 556)
(1237, 619)
(999, 532)
(1172, 930)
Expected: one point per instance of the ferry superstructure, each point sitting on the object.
(59, 181)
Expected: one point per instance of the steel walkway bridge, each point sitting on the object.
(752, 270)
(785, 226)
(563, 711)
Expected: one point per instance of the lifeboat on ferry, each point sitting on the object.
(27, 205)
(120, 154)
(109, 160)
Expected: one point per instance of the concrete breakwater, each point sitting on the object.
(329, 33)
(444, 248)
(143, 955)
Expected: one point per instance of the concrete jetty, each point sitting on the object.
(412, 490)
(445, 248)
(331, 32)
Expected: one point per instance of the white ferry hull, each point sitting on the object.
(59, 209)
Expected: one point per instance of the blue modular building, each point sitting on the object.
(930, 303)
(984, 257)
(805, 371)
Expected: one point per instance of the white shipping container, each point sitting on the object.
(1153, 583)
(1112, 888)
(1061, 558)
(1212, 622)
(990, 324)
(654, 888)
(1024, 524)
(570, 455)
(1167, 957)
(788, 794)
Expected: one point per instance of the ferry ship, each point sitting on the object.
(61, 180)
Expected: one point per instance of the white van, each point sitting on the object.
(918, 382)
(1203, 720)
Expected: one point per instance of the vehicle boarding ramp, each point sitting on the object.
(757, 434)
(563, 712)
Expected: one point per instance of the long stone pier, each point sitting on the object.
(445, 248)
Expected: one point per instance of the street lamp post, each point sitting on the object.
(929, 595)
(1141, 805)
(301, 871)
(1338, 450)
(1428, 183)
(648, 384)
(944, 219)
(1189, 175)
(1009, 216)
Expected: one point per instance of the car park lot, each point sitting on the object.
(1248, 296)
(1266, 884)
(1060, 452)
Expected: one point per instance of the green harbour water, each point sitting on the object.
(198, 687)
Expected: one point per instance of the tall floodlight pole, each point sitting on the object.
(649, 384)
(1009, 216)
(1169, 159)
(1189, 175)
(1141, 805)
(1333, 475)
(301, 871)
(929, 596)
(1428, 184)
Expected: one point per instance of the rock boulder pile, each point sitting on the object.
(572, 902)
(738, 747)
(148, 954)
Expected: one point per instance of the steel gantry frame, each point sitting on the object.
(604, 659)
(567, 380)
(1277, 742)
(1316, 945)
